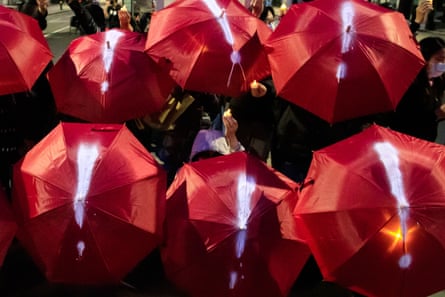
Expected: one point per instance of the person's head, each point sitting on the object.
(433, 51)
(207, 144)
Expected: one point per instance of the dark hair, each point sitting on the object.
(431, 45)
(205, 155)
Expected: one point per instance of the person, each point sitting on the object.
(211, 142)
(254, 110)
(127, 22)
(25, 118)
(112, 14)
(38, 9)
(97, 13)
(145, 9)
(87, 23)
(420, 15)
(268, 14)
(256, 7)
(421, 107)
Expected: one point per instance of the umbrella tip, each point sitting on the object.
(348, 29)
(108, 44)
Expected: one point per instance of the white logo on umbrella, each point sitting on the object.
(245, 188)
(347, 16)
(389, 157)
(112, 38)
(221, 17)
(87, 155)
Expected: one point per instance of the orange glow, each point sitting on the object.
(396, 236)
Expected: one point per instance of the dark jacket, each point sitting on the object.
(415, 113)
(31, 8)
(86, 21)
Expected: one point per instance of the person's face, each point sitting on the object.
(436, 64)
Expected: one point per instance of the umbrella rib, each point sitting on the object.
(99, 250)
(205, 179)
(367, 240)
(18, 70)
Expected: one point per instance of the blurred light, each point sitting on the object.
(87, 155)
(246, 186)
(347, 17)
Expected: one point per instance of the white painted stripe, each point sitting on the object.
(57, 31)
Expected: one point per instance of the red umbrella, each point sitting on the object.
(212, 46)
(8, 225)
(107, 77)
(343, 59)
(24, 52)
(374, 213)
(90, 203)
(230, 230)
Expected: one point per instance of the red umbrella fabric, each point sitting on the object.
(373, 210)
(107, 78)
(229, 229)
(24, 52)
(212, 46)
(343, 59)
(8, 225)
(90, 202)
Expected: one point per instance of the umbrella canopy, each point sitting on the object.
(343, 59)
(90, 202)
(107, 77)
(8, 225)
(230, 230)
(212, 46)
(373, 210)
(24, 52)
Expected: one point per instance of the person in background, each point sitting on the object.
(112, 14)
(126, 22)
(256, 7)
(420, 15)
(97, 13)
(25, 118)
(420, 109)
(254, 111)
(145, 9)
(87, 23)
(38, 9)
(212, 143)
(268, 14)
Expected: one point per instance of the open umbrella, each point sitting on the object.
(8, 225)
(107, 77)
(343, 59)
(229, 229)
(90, 203)
(212, 46)
(24, 52)
(373, 210)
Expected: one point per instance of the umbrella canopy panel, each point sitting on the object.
(343, 59)
(229, 227)
(24, 51)
(373, 213)
(210, 46)
(90, 202)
